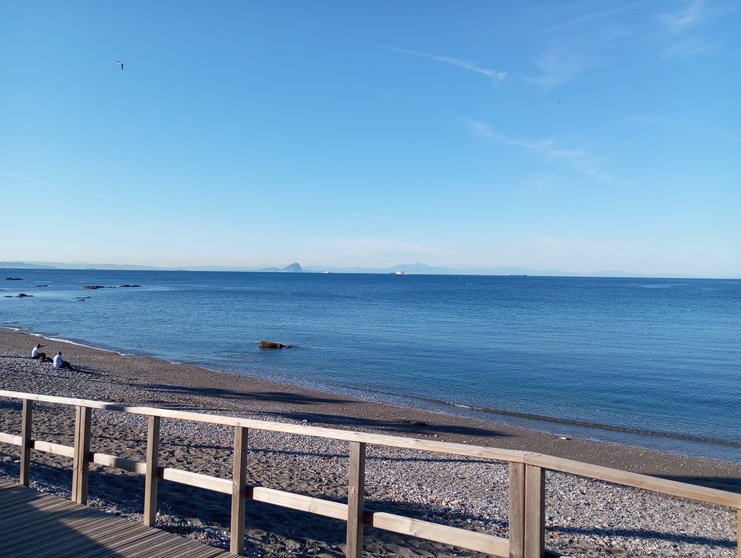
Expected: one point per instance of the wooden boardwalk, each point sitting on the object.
(45, 526)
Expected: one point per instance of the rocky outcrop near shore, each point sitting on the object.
(272, 345)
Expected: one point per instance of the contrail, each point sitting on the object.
(107, 198)
(458, 62)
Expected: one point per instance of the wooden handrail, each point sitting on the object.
(636, 480)
(315, 431)
(527, 477)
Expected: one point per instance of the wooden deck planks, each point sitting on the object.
(44, 526)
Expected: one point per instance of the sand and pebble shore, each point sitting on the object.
(583, 517)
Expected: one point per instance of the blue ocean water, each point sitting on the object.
(650, 362)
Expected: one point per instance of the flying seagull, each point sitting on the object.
(120, 64)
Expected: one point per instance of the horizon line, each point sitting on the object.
(405, 269)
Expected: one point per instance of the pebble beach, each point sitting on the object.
(583, 517)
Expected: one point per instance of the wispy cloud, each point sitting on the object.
(681, 30)
(575, 15)
(688, 16)
(559, 66)
(102, 197)
(575, 157)
(690, 47)
(496, 75)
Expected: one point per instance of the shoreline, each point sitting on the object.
(273, 400)
(585, 517)
(670, 443)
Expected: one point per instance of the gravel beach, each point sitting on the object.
(583, 517)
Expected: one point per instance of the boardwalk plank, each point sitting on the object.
(165, 546)
(69, 549)
(14, 498)
(38, 525)
(37, 511)
(152, 542)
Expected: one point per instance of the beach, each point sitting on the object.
(583, 517)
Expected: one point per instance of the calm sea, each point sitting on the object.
(649, 362)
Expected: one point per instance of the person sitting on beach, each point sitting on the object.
(59, 363)
(37, 353)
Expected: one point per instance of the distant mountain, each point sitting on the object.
(290, 268)
(22, 265)
(423, 269)
(69, 265)
(293, 268)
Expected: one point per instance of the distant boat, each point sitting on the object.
(399, 273)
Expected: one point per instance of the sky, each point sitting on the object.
(581, 136)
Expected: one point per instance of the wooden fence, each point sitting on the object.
(526, 484)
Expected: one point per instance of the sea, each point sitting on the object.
(653, 363)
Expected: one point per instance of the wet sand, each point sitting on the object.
(319, 468)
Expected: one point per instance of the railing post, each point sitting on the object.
(355, 500)
(81, 461)
(534, 512)
(239, 490)
(516, 510)
(152, 471)
(26, 441)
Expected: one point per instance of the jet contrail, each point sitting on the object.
(106, 198)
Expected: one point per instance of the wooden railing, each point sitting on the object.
(526, 485)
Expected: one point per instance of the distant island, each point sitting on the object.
(295, 267)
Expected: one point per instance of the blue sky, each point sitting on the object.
(581, 136)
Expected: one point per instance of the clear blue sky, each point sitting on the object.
(581, 136)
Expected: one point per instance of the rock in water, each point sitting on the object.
(272, 345)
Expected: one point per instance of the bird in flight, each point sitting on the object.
(120, 64)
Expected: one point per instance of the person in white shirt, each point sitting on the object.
(59, 363)
(37, 353)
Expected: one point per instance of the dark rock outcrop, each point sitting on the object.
(273, 345)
